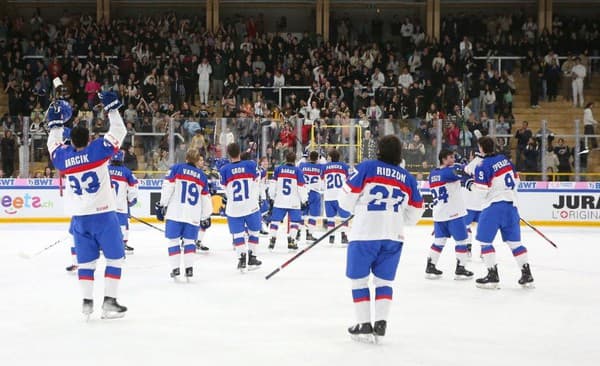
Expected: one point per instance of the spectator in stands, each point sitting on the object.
(451, 134)
(465, 139)
(564, 154)
(551, 161)
(552, 76)
(589, 125)
(578, 74)
(534, 86)
(8, 147)
(531, 154)
(204, 71)
(130, 159)
(414, 152)
(369, 146)
(489, 101)
(522, 135)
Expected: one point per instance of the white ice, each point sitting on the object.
(300, 316)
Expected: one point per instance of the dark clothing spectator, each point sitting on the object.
(8, 147)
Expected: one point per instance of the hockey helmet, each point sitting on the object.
(118, 156)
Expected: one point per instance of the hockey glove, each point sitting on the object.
(55, 116)
(469, 183)
(110, 100)
(205, 224)
(304, 205)
(160, 211)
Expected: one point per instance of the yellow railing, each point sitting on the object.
(358, 133)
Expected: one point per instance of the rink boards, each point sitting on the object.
(542, 203)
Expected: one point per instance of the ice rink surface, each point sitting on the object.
(300, 316)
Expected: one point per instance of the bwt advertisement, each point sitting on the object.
(545, 202)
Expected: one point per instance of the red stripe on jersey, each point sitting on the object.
(504, 170)
(118, 177)
(354, 189)
(331, 171)
(312, 173)
(287, 175)
(189, 178)
(240, 176)
(84, 167)
(395, 183)
(437, 184)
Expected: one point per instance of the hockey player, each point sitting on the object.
(335, 173)
(90, 200)
(289, 197)
(496, 182)
(186, 206)
(448, 213)
(384, 199)
(240, 178)
(313, 175)
(472, 201)
(126, 190)
(202, 230)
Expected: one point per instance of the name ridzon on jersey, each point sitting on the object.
(389, 172)
(75, 160)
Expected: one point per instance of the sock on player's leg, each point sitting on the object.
(112, 277)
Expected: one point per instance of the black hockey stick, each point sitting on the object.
(29, 256)
(147, 223)
(539, 232)
(275, 271)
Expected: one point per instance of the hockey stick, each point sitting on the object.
(147, 223)
(276, 270)
(539, 232)
(22, 254)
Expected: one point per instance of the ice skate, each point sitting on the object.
(432, 273)
(331, 239)
(379, 329)
(310, 237)
(87, 308)
(461, 272)
(272, 243)
(111, 309)
(491, 281)
(292, 244)
(253, 262)
(175, 273)
(200, 247)
(242, 263)
(362, 333)
(189, 273)
(72, 268)
(344, 239)
(128, 249)
(526, 280)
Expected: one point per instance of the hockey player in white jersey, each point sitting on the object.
(202, 231)
(335, 174)
(448, 213)
(185, 204)
(125, 185)
(289, 196)
(90, 199)
(240, 178)
(496, 182)
(472, 201)
(384, 199)
(313, 175)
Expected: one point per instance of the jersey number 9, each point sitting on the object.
(191, 190)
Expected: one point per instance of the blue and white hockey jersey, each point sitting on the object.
(384, 198)
(241, 183)
(185, 194)
(334, 176)
(313, 176)
(289, 187)
(447, 194)
(125, 185)
(496, 180)
(88, 188)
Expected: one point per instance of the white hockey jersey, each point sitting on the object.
(289, 186)
(334, 177)
(447, 197)
(125, 185)
(472, 200)
(241, 181)
(384, 199)
(88, 188)
(185, 194)
(496, 180)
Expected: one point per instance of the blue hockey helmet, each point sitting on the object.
(118, 156)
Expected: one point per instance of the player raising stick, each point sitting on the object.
(91, 201)
(384, 199)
